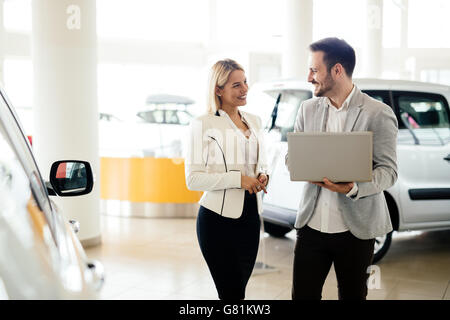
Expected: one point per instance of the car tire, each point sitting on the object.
(381, 247)
(276, 230)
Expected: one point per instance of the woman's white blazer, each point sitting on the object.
(215, 162)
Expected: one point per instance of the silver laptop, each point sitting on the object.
(338, 156)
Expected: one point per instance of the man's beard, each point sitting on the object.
(326, 86)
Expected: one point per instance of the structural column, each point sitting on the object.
(404, 7)
(2, 45)
(408, 69)
(64, 51)
(212, 11)
(297, 38)
(373, 44)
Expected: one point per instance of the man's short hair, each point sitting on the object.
(336, 51)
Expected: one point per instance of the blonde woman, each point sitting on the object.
(226, 160)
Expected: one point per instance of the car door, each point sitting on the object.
(423, 157)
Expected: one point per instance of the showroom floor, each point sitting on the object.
(160, 259)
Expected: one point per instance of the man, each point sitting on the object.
(338, 222)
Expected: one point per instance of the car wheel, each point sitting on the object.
(381, 246)
(275, 229)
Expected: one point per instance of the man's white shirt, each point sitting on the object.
(327, 218)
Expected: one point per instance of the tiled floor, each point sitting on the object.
(160, 259)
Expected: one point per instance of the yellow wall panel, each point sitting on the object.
(158, 180)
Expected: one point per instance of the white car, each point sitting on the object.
(155, 131)
(40, 255)
(419, 200)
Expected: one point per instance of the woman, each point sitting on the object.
(226, 160)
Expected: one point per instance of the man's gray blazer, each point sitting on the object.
(366, 214)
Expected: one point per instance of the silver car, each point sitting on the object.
(419, 200)
(40, 255)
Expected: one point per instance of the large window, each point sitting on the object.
(429, 24)
(436, 75)
(250, 22)
(17, 15)
(170, 20)
(392, 23)
(123, 89)
(18, 78)
(338, 19)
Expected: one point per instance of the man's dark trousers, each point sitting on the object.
(315, 251)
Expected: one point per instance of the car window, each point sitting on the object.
(158, 116)
(290, 102)
(422, 110)
(146, 116)
(379, 98)
(172, 117)
(152, 116)
(184, 117)
(380, 95)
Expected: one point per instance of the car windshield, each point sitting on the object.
(290, 101)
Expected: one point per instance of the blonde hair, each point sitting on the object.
(220, 72)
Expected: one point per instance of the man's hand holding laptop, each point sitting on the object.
(341, 187)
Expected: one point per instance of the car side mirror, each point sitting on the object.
(70, 178)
